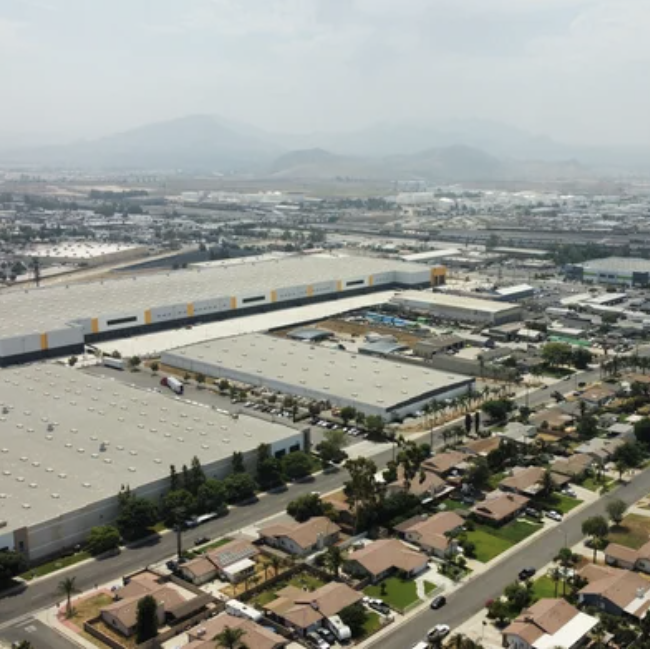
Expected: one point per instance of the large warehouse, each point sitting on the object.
(630, 271)
(373, 386)
(462, 308)
(56, 321)
(70, 441)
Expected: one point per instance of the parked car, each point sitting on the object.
(438, 632)
(554, 515)
(438, 602)
(327, 635)
(527, 573)
(534, 514)
(318, 641)
(201, 540)
(570, 492)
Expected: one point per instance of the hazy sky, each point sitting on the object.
(574, 69)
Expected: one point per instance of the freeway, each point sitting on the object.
(472, 597)
(43, 593)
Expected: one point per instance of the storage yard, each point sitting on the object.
(57, 321)
(70, 442)
(373, 386)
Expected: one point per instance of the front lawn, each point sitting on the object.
(372, 624)
(55, 565)
(544, 587)
(429, 587)
(633, 532)
(491, 542)
(398, 593)
(304, 581)
(559, 502)
(495, 480)
(452, 504)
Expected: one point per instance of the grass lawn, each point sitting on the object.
(55, 565)
(491, 542)
(559, 502)
(304, 581)
(633, 532)
(86, 609)
(496, 479)
(429, 587)
(372, 624)
(217, 544)
(398, 594)
(544, 587)
(159, 527)
(452, 504)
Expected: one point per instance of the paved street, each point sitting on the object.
(472, 597)
(37, 633)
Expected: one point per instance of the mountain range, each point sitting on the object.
(458, 150)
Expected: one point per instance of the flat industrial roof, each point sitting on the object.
(341, 374)
(430, 255)
(623, 264)
(451, 300)
(78, 250)
(46, 473)
(41, 310)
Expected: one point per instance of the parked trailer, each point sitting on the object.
(174, 384)
(110, 362)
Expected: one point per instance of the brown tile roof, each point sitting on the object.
(303, 609)
(547, 616)
(304, 535)
(484, 446)
(432, 483)
(442, 463)
(431, 532)
(501, 506)
(598, 392)
(199, 567)
(140, 585)
(555, 417)
(126, 610)
(234, 551)
(622, 553)
(619, 586)
(386, 554)
(256, 636)
(525, 479)
(573, 466)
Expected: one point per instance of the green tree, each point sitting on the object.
(518, 595)
(375, 425)
(180, 501)
(238, 463)
(240, 487)
(11, 565)
(269, 473)
(305, 507)
(355, 617)
(174, 480)
(362, 490)
(224, 385)
(548, 484)
(137, 516)
(499, 611)
(72, 361)
(230, 637)
(478, 474)
(155, 366)
(348, 413)
(196, 477)
(596, 529)
(498, 410)
(297, 465)
(333, 560)
(581, 358)
(67, 588)
(200, 379)
(616, 511)
(103, 539)
(211, 497)
(134, 362)
(557, 354)
(146, 625)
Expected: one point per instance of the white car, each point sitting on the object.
(438, 632)
(570, 492)
(554, 515)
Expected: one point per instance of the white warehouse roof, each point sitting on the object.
(340, 375)
(450, 300)
(55, 422)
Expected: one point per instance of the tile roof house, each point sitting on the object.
(428, 533)
(519, 433)
(499, 508)
(444, 464)
(302, 539)
(232, 562)
(600, 450)
(255, 636)
(527, 481)
(626, 558)
(598, 395)
(384, 558)
(549, 623)
(482, 447)
(575, 466)
(553, 421)
(615, 591)
(428, 484)
(305, 611)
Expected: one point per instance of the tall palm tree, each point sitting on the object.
(230, 637)
(555, 574)
(276, 563)
(67, 588)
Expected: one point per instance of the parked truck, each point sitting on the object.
(174, 384)
(110, 362)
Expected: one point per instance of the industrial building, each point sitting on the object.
(630, 271)
(371, 385)
(461, 308)
(515, 293)
(432, 256)
(91, 253)
(56, 321)
(71, 441)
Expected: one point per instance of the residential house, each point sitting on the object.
(232, 562)
(519, 433)
(621, 430)
(549, 623)
(598, 395)
(431, 533)
(302, 539)
(482, 447)
(255, 636)
(384, 558)
(600, 450)
(624, 557)
(305, 611)
(425, 485)
(615, 591)
(553, 422)
(575, 467)
(447, 464)
(499, 508)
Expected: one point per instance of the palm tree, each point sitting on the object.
(276, 563)
(230, 637)
(67, 588)
(555, 574)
